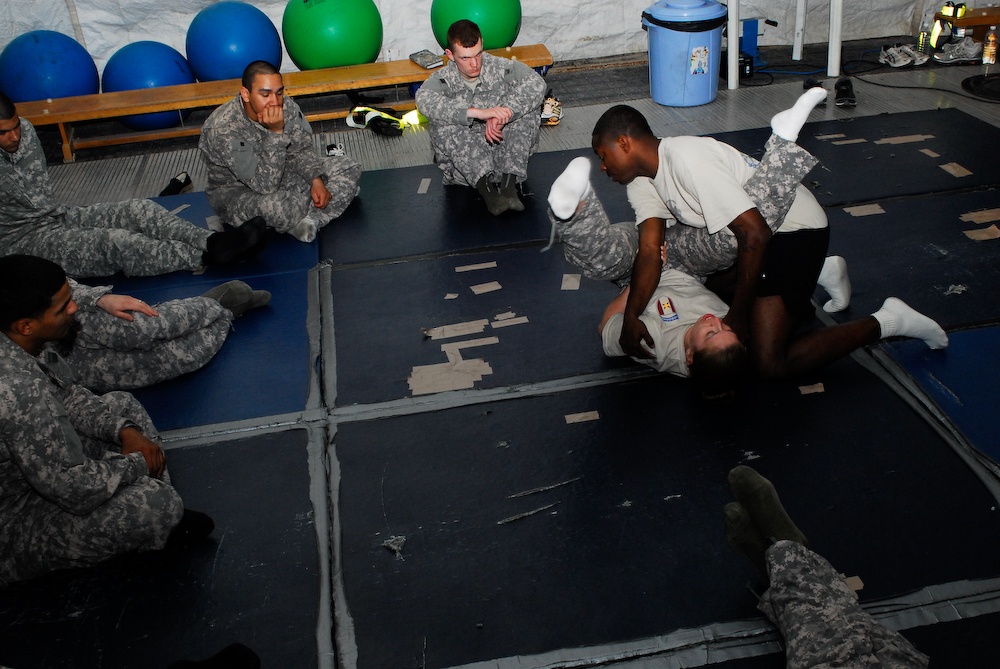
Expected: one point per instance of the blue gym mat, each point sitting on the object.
(263, 368)
(962, 381)
(525, 532)
(255, 581)
(918, 250)
(869, 158)
(381, 312)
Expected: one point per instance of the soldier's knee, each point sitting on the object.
(158, 511)
(121, 402)
(141, 516)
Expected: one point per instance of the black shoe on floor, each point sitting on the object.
(194, 527)
(179, 184)
(845, 93)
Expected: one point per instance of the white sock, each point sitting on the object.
(834, 280)
(570, 188)
(786, 124)
(897, 318)
(304, 230)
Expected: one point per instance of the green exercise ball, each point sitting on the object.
(331, 33)
(498, 20)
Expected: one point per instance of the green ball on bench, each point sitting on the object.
(322, 34)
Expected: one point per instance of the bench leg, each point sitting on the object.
(66, 133)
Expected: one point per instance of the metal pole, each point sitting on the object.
(733, 45)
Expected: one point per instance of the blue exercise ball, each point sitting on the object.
(44, 64)
(226, 37)
(147, 65)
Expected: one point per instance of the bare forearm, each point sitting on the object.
(645, 278)
(752, 237)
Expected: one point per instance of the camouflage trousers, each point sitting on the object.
(137, 237)
(114, 354)
(821, 620)
(139, 516)
(605, 251)
(289, 204)
(464, 156)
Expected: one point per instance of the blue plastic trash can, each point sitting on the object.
(685, 41)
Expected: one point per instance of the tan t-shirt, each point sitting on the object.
(699, 183)
(688, 300)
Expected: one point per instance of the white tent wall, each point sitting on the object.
(571, 29)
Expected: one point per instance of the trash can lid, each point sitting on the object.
(686, 10)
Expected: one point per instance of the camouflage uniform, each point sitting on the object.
(606, 251)
(821, 620)
(460, 147)
(68, 497)
(255, 172)
(110, 353)
(138, 237)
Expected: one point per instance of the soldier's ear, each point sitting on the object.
(245, 94)
(23, 326)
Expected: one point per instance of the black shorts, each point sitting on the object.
(792, 266)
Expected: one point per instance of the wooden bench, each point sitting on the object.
(65, 112)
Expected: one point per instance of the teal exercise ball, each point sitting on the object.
(147, 65)
(498, 20)
(331, 33)
(43, 64)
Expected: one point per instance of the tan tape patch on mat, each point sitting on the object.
(456, 329)
(865, 210)
(478, 266)
(570, 282)
(582, 417)
(520, 320)
(955, 170)
(489, 287)
(459, 375)
(456, 374)
(904, 139)
(984, 216)
(983, 234)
